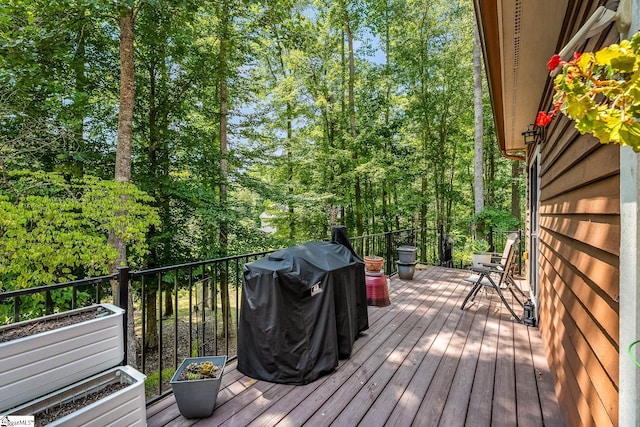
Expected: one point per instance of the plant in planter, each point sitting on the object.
(480, 246)
(45, 354)
(196, 384)
(601, 92)
(113, 397)
(199, 371)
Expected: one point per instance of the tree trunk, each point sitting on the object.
(168, 303)
(387, 143)
(151, 330)
(151, 321)
(478, 175)
(80, 106)
(123, 154)
(127, 95)
(292, 218)
(223, 233)
(423, 217)
(490, 173)
(352, 122)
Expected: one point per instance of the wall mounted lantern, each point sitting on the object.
(531, 134)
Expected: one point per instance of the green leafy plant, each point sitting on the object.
(480, 245)
(601, 92)
(54, 229)
(495, 219)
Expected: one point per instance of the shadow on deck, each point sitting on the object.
(423, 361)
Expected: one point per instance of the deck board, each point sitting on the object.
(455, 409)
(528, 410)
(504, 385)
(391, 394)
(423, 361)
(410, 346)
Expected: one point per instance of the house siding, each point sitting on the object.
(579, 232)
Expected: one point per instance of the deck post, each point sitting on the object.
(389, 238)
(123, 302)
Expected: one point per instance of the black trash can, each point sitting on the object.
(299, 312)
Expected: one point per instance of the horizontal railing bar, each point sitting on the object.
(368, 236)
(197, 263)
(46, 288)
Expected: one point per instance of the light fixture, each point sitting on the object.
(531, 134)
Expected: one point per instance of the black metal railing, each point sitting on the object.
(189, 309)
(386, 245)
(38, 301)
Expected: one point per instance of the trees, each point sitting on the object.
(436, 66)
(54, 229)
(225, 18)
(356, 112)
(57, 205)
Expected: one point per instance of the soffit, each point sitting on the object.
(519, 37)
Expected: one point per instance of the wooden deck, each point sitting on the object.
(423, 362)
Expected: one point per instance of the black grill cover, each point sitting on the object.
(302, 308)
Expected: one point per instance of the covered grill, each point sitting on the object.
(302, 308)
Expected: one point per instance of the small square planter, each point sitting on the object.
(197, 398)
(122, 407)
(407, 254)
(38, 364)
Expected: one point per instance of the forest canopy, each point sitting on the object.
(313, 113)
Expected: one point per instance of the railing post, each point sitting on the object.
(123, 287)
(520, 245)
(389, 237)
(492, 247)
(16, 309)
(48, 303)
(123, 302)
(440, 243)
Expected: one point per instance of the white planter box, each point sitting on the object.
(41, 363)
(125, 407)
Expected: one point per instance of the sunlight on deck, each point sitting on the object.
(422, 361)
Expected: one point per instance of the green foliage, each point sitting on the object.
(480, 245)
(292, 151)
(57, 229)
(496, 219)
(152, 381)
